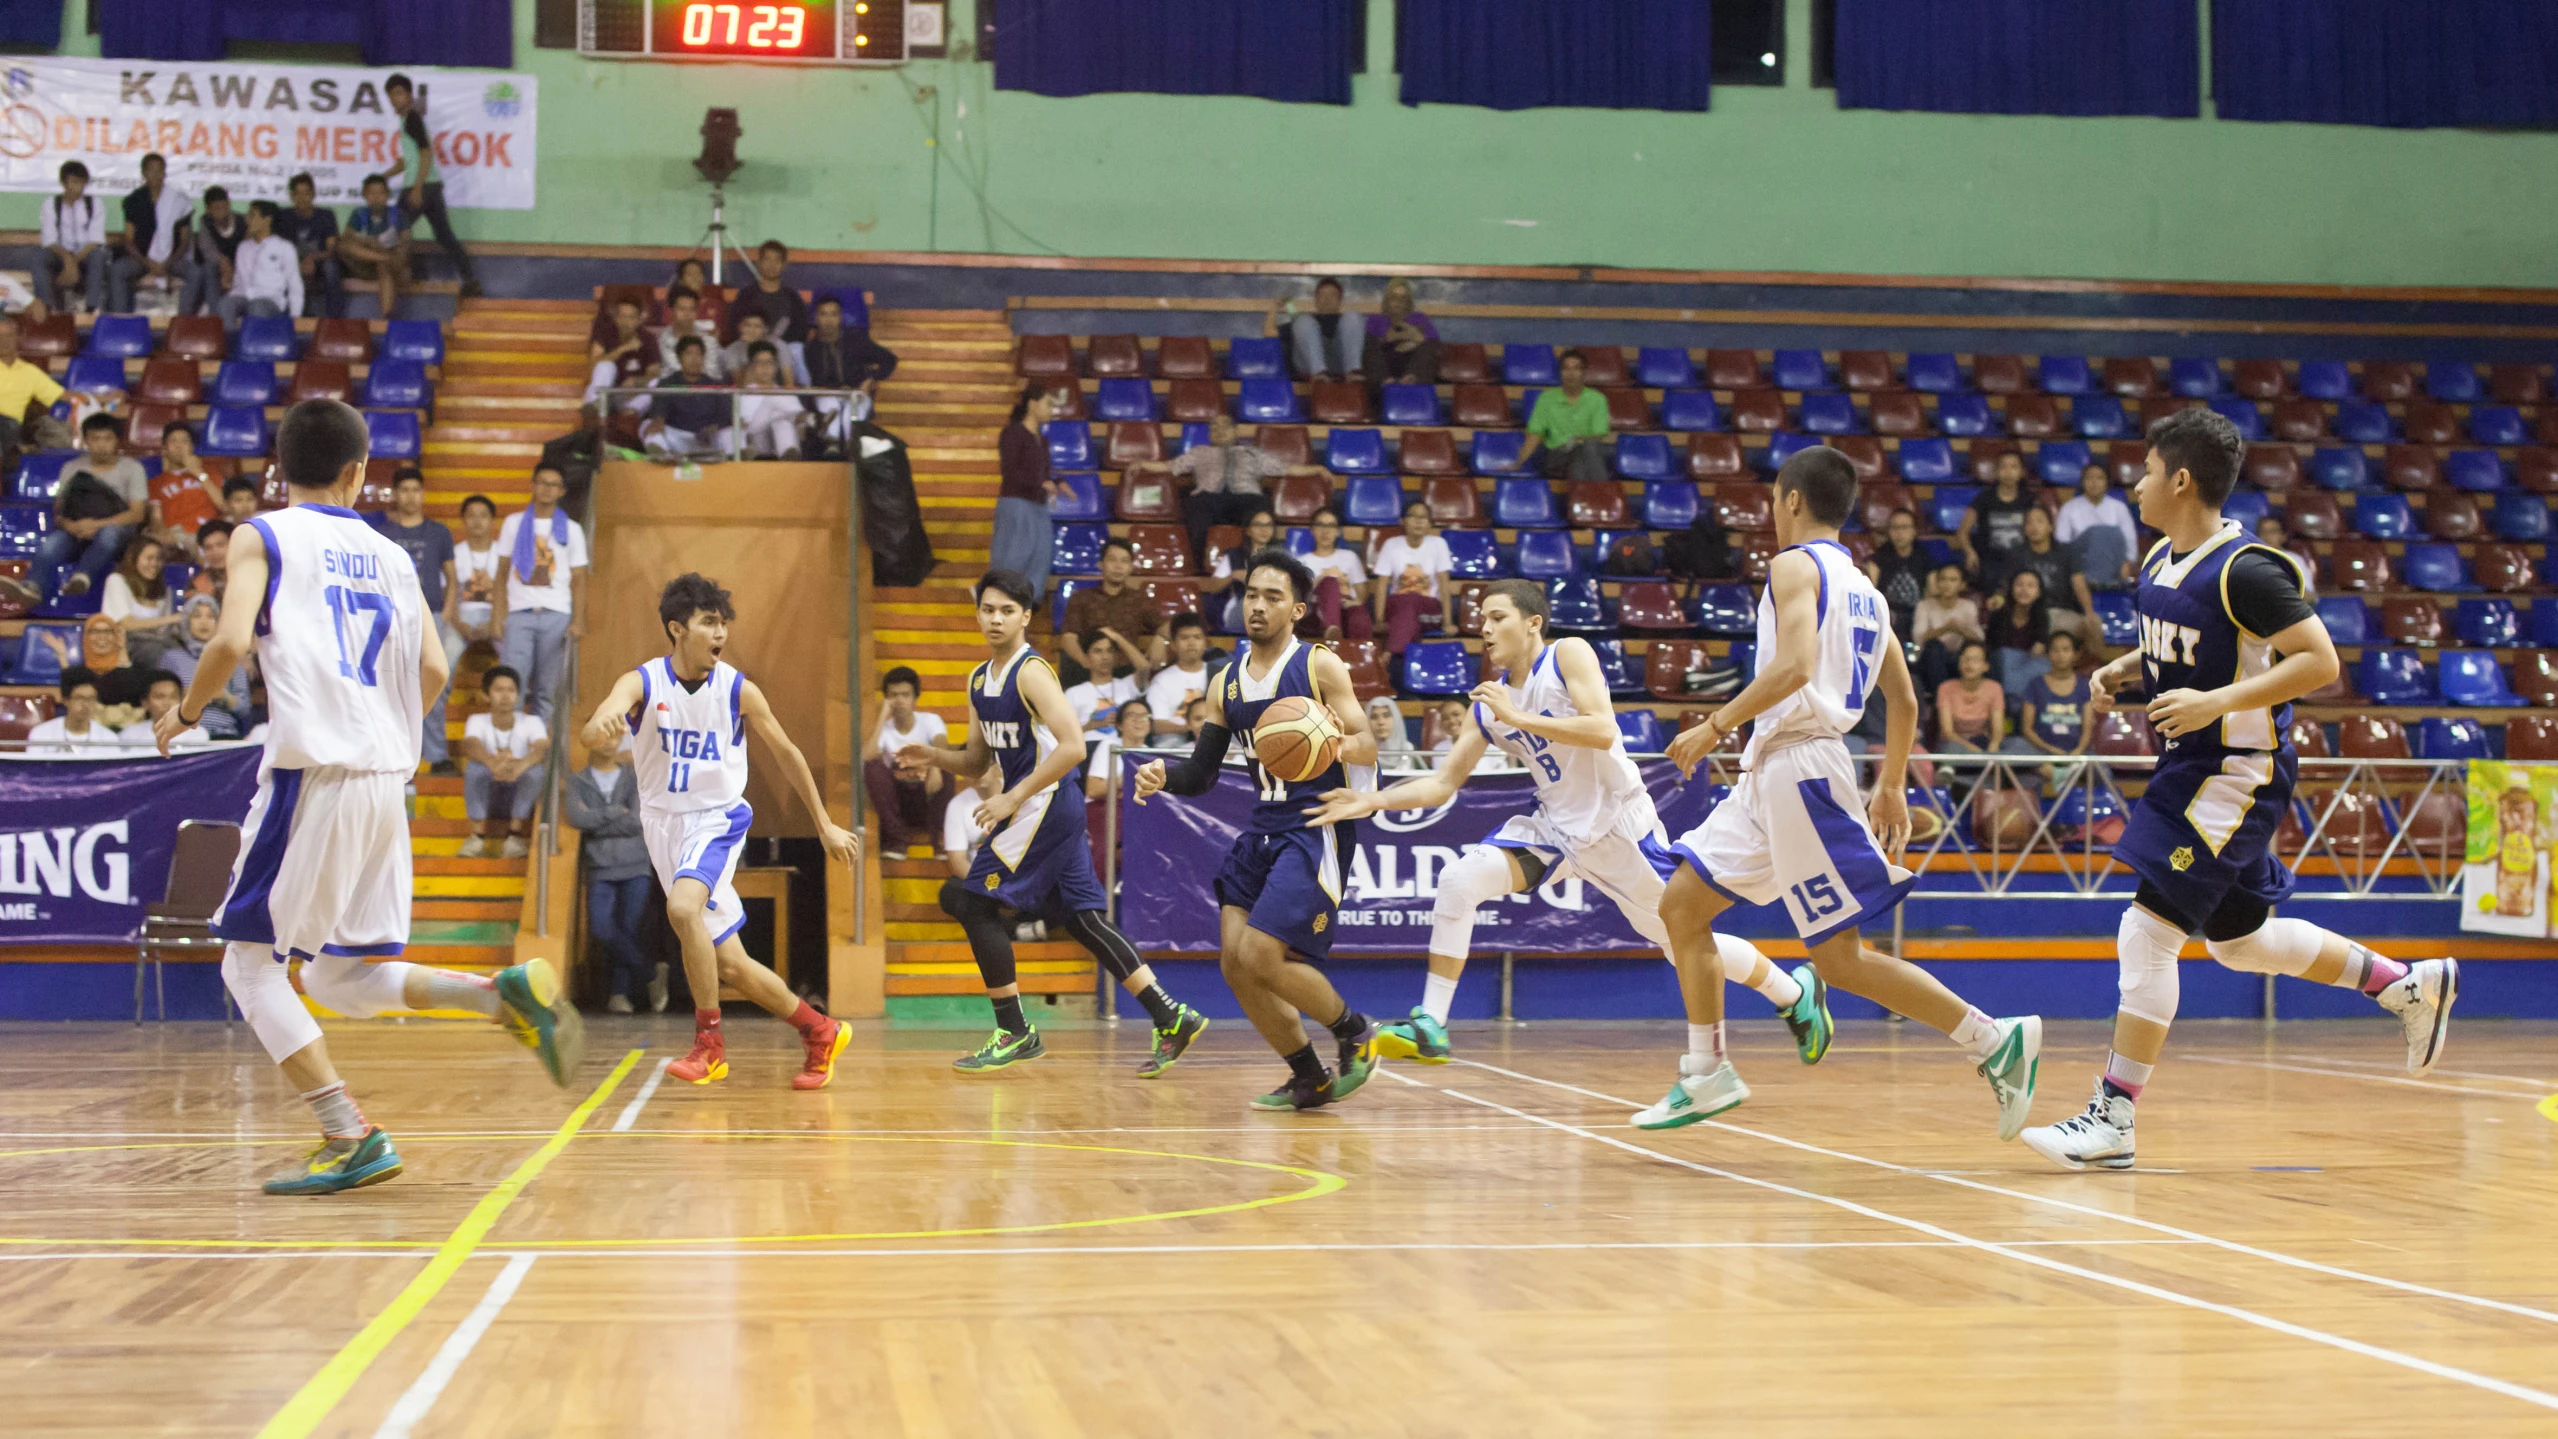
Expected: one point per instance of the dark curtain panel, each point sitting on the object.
(392, 32)
(439, 32)
(160, 29)
(2381, 62)
(2020, 57)
(1301, 50)
(1524, 54)
(312, 22)
(31, 22)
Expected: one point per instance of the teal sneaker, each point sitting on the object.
(1297, 1094)
(340, 1164)
(2011, 1068)
(1001, 1051)
(1173, 1041)
(1358, 1061)
(1421, 1039)
(1695, 1096)
(1810, 1016)
(532, 1002)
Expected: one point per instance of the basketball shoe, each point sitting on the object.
(532, 1003)
(1002, 1050)
(1698, 1093)
(707, 1063)
(824, 1048)
(2011, 1068)
(1358, 1061)
(1420, 1038)
(1173, 1041)
(340, 1164)
(1297, 1094)
(2098, 1137)
(1809, 1018)
(2422, 1001)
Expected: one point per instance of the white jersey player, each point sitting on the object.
(1593, 820)
(1795, 831)
(333, 612)
(688, 714)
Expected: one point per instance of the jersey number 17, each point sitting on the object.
(359, 607)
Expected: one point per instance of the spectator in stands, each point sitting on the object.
(1024, 538)
(137, 597)
(1948, 619)
(691, 274)
(908, 801)
(1570, 424)
(2100, 527)
(1402, 345)
(430, 550)
(1340, 608)
(1971, 708)
(239, 499)
(1412, 582)
(1107, 685)
(1184, 678)
(166, 689)
(684, 317)
(1132, 728)
(784, 311)
(621, 353)
(960, 832)
(838, 357)
(2270, 530)
(1450, 715)
(1395, 754)
(313, 230)
(603, 805)
(100, 501)
(183, 496)
(1323, 343)
(375, 246)
(1996, 520)
(2020, 620)
(27, 393)
(1226, 478)
(681, 426)
(1260, 532)
(77, 730)
(476, 574)
(155, 214)
(1115, 609)
(218, 237)
(751, 331)
(542, 560)
(2055, 715)
(771, 423)
(2064, 586)
(266, 275)
(1899, 568)
(121, 683)
(73, 232)
(212, 557)
(422, 183)
(502, 754)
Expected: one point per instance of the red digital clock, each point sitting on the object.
(807, 32)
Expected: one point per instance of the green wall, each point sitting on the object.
(1773, 179)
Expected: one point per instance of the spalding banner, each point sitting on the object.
(85, 844)
(1170, 849)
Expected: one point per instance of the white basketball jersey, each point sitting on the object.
(1853, 627)
(1584, 792)
(689, 744)
(338, 640)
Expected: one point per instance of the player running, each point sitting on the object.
(334, 615)
(1794, 831)
(1593, 819)
(688, 714)
(1280, 889)
(2229, 638)
(1036, 857)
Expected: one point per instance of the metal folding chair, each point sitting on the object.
(199, 875)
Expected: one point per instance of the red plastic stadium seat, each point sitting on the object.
(2001, 375)
(1222, 538)
(2535, 678)
(318, 380)
(54, 336)
(1469, 606)
(1464, 364)
(2412, 620)
(2388, 380)
(2133, 377)
(2159, 407)
(1985, 455)
(2438, 825)
(1758, 551)
(2356, 822)
(1045, 357)
(2299, 419)
(1865, 369)
(1876, 502)
(1135, 442)
(1114, 355)
(350, 342)
(273, 493)
(2411, 467)
(1650, 605)
(1147, 492)
(1864, 452)
(1668, 664)
(2452, 515)
(1860, 545)
(375, 493)
(1430, 452)
(2517, 384)
(1070, 405)
(2361, 566)
(2260, 379)
(190, 337)
(1295, 498)
(21, 713)
(1161, 549)
(2536, 468)
(2544, 431)
(1453, 500)
(2130, 460)
(2313, 515)
(1744, 505)
(2033, 417)
(1596, 505)
(1337, 402)
(1603, 367)
(1898, 412)
(1482, 407)
(1367, 668)
(1194, 401)
(1285, 443)
(1715, 457)
(1170, 597)
(2272, 468)
(2122, 732)
(1732, 370)
(1628, 410)
(1185, 357)
(170, 381)
(2309, 737)
(2371, 737)
(2337, 691)
(2502, 569)
(2430, 423)
(1759, 411)
(148, 423)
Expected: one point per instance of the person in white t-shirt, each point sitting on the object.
(1340, 601)
(960, 831)
(1098, 697)
(502, 754)
(1169, 693)
(475, 574)
(542, 604)
(1412, 590)
(166, 690)
(908, 802)
(2106, 559)
(77, 730)
(1132, 728)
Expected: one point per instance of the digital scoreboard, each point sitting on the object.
(791, 32)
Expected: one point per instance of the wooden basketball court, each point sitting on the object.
(2317, 1242)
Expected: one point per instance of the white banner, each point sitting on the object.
(250, 128)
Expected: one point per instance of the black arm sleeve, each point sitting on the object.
(1196, 774)
(2265, 593)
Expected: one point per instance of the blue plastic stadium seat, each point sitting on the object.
(241, 433)
(1473, 554)
(2522, 516)
(1661, 368)
(1123, 397)
(1372, 500)
(1690, 410)
(1945, 511)
(125, 337)
(1934, 373)
(1525, 502)
(22, 529)
(2242, 412)
(1435, 668)
(2365, 422)
(2455, 738)
(421, 342)
(2196, 377)
(2060, 462)
(2472, 677)
(2544, 623)
(1356, 452)
(2434, 567)
(266, 337)
(1301, 541)
(1624, 678)
(1267, 402)
(2394, 677)
(1926, 460)
(1412, 405)
(2488, 623)
(94, 373)
(397, 435)
(1057, 606)
(2478, 470)
(1646, 457)
(1726, 610)
(1496, 452)
(2117, 617)
(1966, 414)
(1799, 370)
(2348, 620)
(2066, 375)
(1785, 445)
(2498, 425)
(1573, 603)
(1256, 359)
(1642, 731)
(1075, 549)
(1544, 554)
(2099, 417)
(2073, 810)
(2325, 379)
(1083, 499)
(1669, 504)
(2246, 507)
(1069, 444)
(2383, 515)
(1529, 365)
(392, 385)
(1830, 412)
(2454, 382)
(2335, 467)
(38, 472)
(37, 663)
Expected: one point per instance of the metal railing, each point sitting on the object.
(733, 450)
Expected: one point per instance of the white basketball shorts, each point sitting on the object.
(1794, 831)
(323, 866)
(1629, 864)
(702, 844)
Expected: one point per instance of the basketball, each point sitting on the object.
(1297, 739)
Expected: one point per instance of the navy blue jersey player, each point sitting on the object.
(2228, 639)
(1035, 859)
(1280, 892)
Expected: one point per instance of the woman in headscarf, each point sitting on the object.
(121, 684)
(202, 615)
(1395, 753)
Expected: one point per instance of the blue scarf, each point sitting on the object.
(523, 556)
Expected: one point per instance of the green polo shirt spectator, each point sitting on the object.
(1560, 419)
(1570, 424)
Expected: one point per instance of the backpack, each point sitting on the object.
(1630, 553)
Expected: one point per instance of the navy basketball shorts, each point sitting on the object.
(2204, 829)
(1289, 884)
(1041, 868)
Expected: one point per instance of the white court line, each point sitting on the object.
(999, 1251)
(2016, 1252)
(421, 1396)
(2350, 1074)
(2230, 1245)
(303, 1136)
(2544, 1085)
(640, 1100)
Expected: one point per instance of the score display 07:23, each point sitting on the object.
(720, 27)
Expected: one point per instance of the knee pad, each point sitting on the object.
(264, 992)
(2278, 946)
(354, 988)
(967, 905)
(1478, 877)
(1741, 959)
(2147, 946)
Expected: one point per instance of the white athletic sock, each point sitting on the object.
(335, 1108)
(1437, 993)
(1977, 1034)
(1705, 1043)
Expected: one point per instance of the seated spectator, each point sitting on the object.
(1323, 343)
(1402, 345)
(783, 310)
(2271, 531)
(375, 246)
(2055, 716)
(502, 754)
(137, 597)
(475, 574)
(710, 300)
(603, 805)
(620, 354)
(1115, 610)
(684, 317)
(210, 265)
(1996, 520)
(1106, 687)
(1411, 592)
(183, 496)
(2100, 526)
(1340, 607)
(1899, 568)
(1943, 623)
(1025, 538)
(72, 229)
(1971, 708)
(2020, 620)
(163, 696)
(1453, 716)
(2065, 589)
(212, 557)
(313, 230)
(101, 502)
(1395, 751)
(121, 683)
(681, 426)
(1570, 426)
(1225, 477)
(266, 275)
(770, 422)
(907, 800)
(1185, 678)
(751, 331)
(1260, 532)
(1132, 728)
(155, 215)
(838, 357)
(27, 393)
(227, 716)
(960, 831)
(78, 730)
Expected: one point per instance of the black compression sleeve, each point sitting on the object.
(1198, 773)
(2265, 593)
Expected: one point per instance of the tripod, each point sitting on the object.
(716, 235)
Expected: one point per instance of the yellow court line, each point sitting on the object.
(2549, 1108)
(304, 1412)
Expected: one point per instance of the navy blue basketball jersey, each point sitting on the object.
(1283, 804)
(2190, 639)
(1012, 729)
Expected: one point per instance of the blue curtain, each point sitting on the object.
(2382, 62)
(1300, 50)
(439, 32)
(1523, 54)
(392, 32)
(160, 29)
(2020, 57)
(31, 22)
